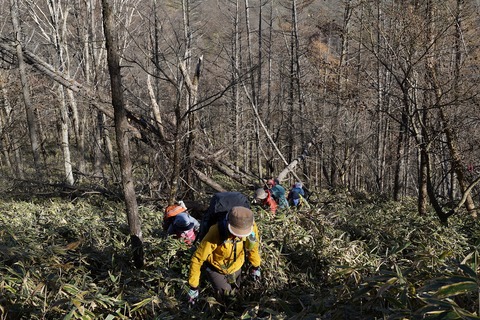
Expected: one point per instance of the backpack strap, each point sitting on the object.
(223, 229)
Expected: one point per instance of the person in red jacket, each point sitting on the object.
(265, 199)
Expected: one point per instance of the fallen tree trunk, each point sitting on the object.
(243, 175)
(216, 160)
(291, 166)
(205, 179)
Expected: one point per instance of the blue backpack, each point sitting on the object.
(220, 205)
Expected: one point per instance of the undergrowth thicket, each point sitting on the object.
(345, 258)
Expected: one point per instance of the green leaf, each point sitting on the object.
(445, 254)
(473, 258)
(70, 315)
(437, 284)
(71, 289)
(439, 304)
(444, 315)
(465, 314)
(468, 271)
(142, 303)
(456, 289)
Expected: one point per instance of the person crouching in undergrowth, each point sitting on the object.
(179, 223)
(278, 193)
(265, 200)
(223, 250)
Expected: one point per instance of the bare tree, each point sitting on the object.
(447, 128)
(29, 107)
(56, 14)
(93, 58)
(122, 135)
(10, 145)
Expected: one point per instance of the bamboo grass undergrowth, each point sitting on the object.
(356, 259)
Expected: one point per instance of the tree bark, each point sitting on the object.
(449, 132)
(10, 144)
(291, 166)
(236, 106)
(29, 108)
(65, 143)
(155, 109)
(5, 141)
(121, 131)
(218, 162)
(292, 82)
(447, 128)
(57, 37)
(205, 179)
(192, 97)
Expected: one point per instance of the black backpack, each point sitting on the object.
(220, 204)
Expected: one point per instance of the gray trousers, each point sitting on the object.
(224, 284)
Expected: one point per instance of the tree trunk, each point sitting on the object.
(5, 142)
(291, 166)
(424, 121)
(447, 128)
(422, 181)
(291, 83)
(218, 161)
(269, 136)
(204, 178)
(450, 134)
(155, 109)
(10, 142)
(191, 96)
(55, 12)
(399, 157)
(29, 108)
(98, 155)
(457, 163)
(175, 160)
(236, 87)
(192, 88)
(65, 143)
(121, 131)
(255, 152)
(76, 124)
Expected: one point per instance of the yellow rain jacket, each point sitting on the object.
(222, 254)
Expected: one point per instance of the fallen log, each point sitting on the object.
(205, 179)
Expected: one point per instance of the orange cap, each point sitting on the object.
(173, 210)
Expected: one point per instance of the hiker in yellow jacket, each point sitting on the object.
(223, 250)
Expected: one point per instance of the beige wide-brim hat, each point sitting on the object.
(240, 221)
(260, 194)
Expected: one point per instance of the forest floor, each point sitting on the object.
(347, 257)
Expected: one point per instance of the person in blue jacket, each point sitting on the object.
(278, 192)
(296, 194)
